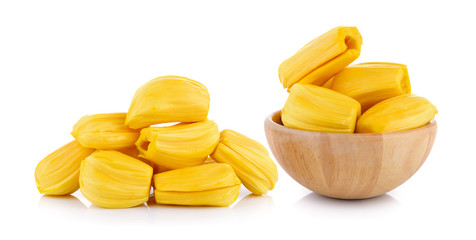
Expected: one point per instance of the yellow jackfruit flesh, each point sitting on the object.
(322, 58)
(168, 99)
(179, 146)
(58, 173)
(105, 131)
(214, 184)
(209, 160)
(111, 179)
(134, 152)
(319, 109)
(397, 114)
(328, 84)
(373, 82)
(249, 159)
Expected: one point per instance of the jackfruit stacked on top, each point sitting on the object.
(326, 95)
(116, 157)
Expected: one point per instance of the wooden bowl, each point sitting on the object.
(349, 166)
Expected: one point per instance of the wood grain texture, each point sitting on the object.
(349, 166)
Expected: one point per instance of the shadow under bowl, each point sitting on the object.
(349, 166)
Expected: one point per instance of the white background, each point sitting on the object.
(60, 60)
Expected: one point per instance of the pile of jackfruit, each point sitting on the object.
(116, 158)
(327, 95)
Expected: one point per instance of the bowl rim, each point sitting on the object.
(270, 122)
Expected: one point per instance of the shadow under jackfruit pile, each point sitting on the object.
(117, 157)
(326, 95)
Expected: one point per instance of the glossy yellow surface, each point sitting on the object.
(179, 146)
(105, 131)
(322, 58)
(319, 109)
(249, 159)
(213, 184)
(397, 114)
(373, 82)
(168, 99)
(112, 179)
(58, 173)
